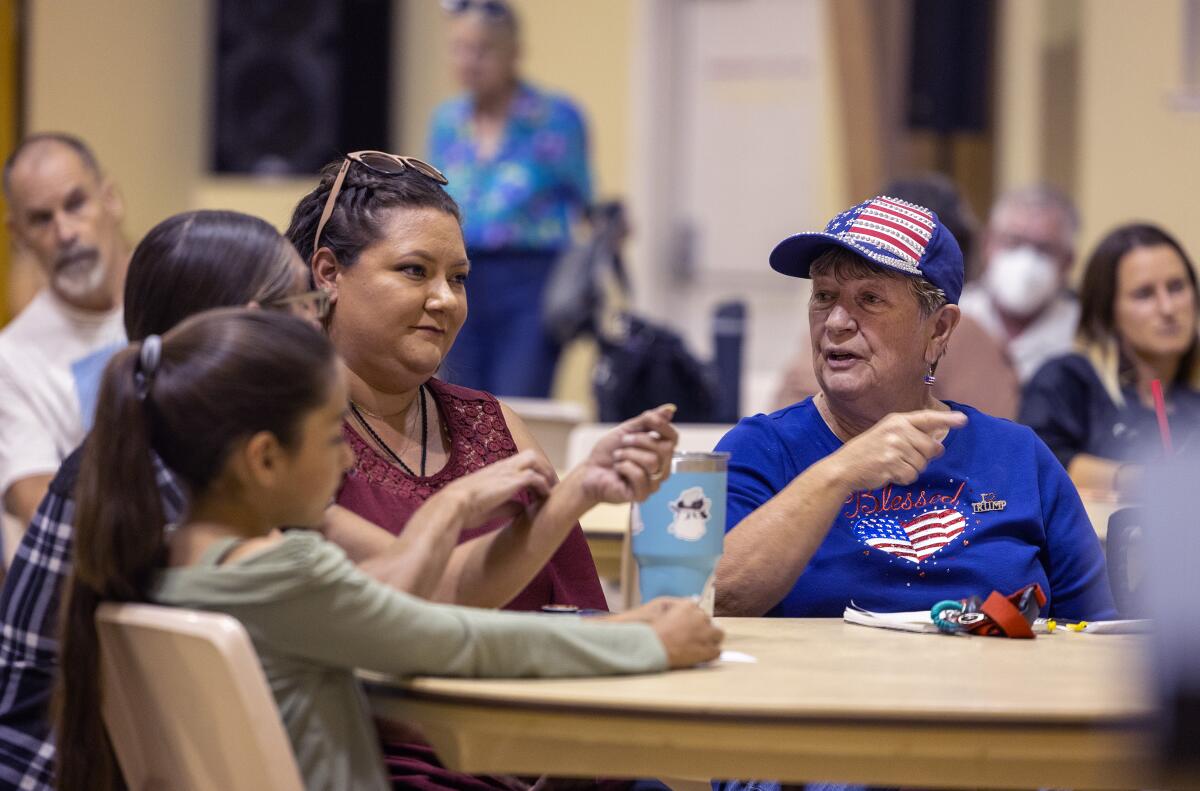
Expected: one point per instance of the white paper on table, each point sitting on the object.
(736, 656)
(913, 621)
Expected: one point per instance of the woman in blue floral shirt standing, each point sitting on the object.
(516, 158)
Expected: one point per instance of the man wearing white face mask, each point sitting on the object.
(1022, 298)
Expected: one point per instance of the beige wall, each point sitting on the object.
(1139, 157)
(126, 76)
(582, 48)
(132, 77)
(1128, 153)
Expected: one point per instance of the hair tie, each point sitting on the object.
(148, 359)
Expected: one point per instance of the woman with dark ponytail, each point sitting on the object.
(246, 408)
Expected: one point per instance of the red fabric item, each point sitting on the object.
(378, 490)
(1004, 617)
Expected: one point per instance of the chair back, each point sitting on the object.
(550, 423)
(186, 703)
(1125, 550)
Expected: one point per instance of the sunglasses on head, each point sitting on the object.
(496, 9)
(378, 162)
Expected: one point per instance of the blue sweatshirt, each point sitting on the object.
(995, 512)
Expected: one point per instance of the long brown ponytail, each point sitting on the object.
(114, 558)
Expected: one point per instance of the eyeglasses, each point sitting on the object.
(309, 305)
(497, 9)
(379, 162)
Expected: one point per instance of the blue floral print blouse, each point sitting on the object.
(527, 195)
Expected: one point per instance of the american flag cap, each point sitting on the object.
(886, 231)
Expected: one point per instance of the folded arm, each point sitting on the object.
(22, 498)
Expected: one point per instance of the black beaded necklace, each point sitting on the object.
(391, 453)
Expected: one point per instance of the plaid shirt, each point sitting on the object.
(29, 618)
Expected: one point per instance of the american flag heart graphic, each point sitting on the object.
(913, 540)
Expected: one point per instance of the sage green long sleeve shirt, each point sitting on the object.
(314, 618)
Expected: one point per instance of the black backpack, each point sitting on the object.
(642, 365)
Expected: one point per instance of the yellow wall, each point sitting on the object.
(1139, 157)
(128, 78)
(1132, 155)
(8, 129)
(133, 79)
(582, 48)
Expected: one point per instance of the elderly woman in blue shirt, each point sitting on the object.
(875, 491)
(517, 163)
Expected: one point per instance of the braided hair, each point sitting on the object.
(358, 217)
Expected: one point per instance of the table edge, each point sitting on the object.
(387, 687)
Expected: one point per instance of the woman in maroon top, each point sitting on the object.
(384, 240)
(477, 427)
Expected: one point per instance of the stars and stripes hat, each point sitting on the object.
(887, 231)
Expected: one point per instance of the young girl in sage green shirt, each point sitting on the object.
(246, 408)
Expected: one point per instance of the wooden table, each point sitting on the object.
(825, 701)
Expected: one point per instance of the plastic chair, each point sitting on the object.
(186, 703)
(1124, 548)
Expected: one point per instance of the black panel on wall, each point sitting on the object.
(299, 82)
(949, 90)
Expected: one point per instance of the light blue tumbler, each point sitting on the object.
(679, 531)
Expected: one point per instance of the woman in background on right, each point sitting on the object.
(1138, 323)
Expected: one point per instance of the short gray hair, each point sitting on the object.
(1040, 197)
(845, 265)
(81, 149)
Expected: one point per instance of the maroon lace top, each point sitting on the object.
(380, 491)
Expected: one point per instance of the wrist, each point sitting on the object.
(448, 508)
(830, 474)
(570, 493)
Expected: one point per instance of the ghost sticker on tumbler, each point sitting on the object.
(692, 510)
